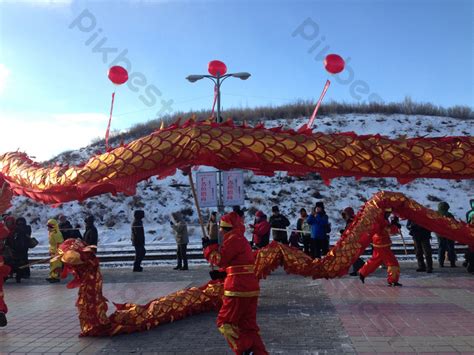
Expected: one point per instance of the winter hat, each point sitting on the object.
(320, 204)
(275, 209)
(232, 220)
(348, 211)
(443, 206)
(176, 216)
(226, 221)
(53, 224)
(259, 214)
(20, 221)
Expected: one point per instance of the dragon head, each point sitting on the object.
(76, 255)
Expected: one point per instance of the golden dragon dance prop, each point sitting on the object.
(81, 261)
(227, 146)
(129, 317)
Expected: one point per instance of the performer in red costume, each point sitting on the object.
(237, 318)
(4, 272)
(382, 254)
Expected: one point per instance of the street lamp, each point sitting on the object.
(217, 71)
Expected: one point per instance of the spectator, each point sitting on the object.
(305, 236)
(181, 235)
(318, 221)
(20, 244)
(10, 223)
(421, 238)
(445, 244)
(261, 230)
(469, 257)
(212, 229)
(138, 240)
(348, 215)
(55, 239)
(91, 236)
(65, 227)
(278, 221)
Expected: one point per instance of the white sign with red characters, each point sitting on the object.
(233, 187)
(206, 183)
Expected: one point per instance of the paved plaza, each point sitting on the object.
(431, 313)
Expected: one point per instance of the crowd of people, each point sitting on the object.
(19, 241)
(312, 235)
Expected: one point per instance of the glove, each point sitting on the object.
(217, 275)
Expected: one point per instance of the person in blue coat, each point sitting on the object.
(319, 222)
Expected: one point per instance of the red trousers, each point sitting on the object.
(4, 272)
(237, 321)
(382, 255)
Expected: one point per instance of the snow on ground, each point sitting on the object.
(161, 197)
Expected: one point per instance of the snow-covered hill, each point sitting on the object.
(161, 197)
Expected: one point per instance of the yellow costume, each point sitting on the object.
(55, 239)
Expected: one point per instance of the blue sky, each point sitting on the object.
(51, 80)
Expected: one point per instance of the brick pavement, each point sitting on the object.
(431, 313)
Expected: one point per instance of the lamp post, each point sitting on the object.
(218, 73)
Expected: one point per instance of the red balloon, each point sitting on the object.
(334, 63)
(216, 66)
(118, 75)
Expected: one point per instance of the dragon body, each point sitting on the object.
(226, 146)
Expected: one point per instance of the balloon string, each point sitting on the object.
(215, 100)
(107, 132)
(313, 116)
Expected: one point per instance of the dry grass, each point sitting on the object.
(296, 110)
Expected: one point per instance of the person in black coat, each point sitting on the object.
(65, 227)
(421, 238)
(20, 245)
(138, 239)
(277, 220)
(91, 237)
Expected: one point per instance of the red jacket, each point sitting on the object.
(260, 230)
(236, 256)
(381, 238)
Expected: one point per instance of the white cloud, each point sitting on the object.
(45, 135)
(4, 74)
